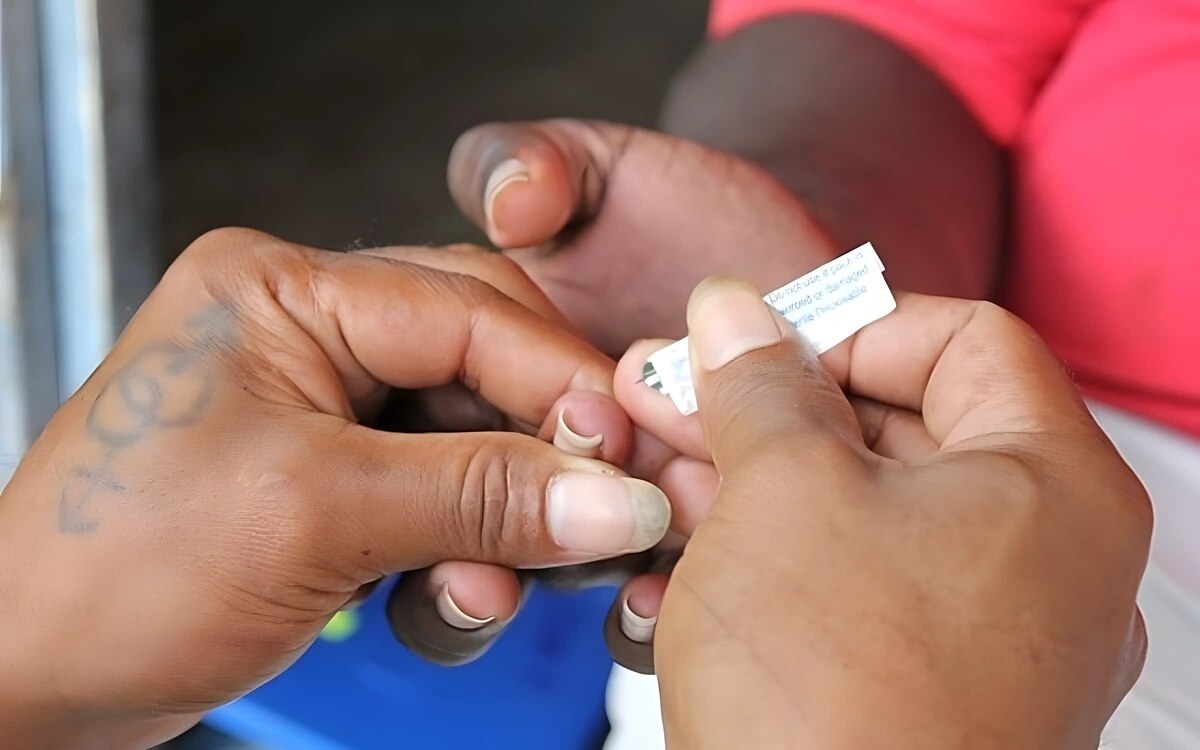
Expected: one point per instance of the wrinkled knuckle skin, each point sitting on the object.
(217, 244)
(767, 401)
(219, 258)
(500, 503)
(1022, 479)
(1002, 331)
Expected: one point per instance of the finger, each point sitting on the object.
(466, 595)
(377, 320)
(494, 269)
(651, 409)
(691, 485)
(970, 369)
(591, 425)
(580, 431)
(892, 432)
(452, 613)
(523, 182)
(629, 626)
(759, 387)
(389, 502)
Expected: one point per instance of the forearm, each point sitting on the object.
(874, 143)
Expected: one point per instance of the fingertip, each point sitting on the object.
(513, 182)
(627, 379)
(644, 594)
(473, 594)
(525, 209)
(629, 627)
(590, 424)
(651, 410)
(417, 610)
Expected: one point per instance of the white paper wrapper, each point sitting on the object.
(827, 306)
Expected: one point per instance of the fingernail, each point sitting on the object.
(505, 173)
(454, 616)
(572, 442)
(635, 627)
(604, 514)
(727, 318)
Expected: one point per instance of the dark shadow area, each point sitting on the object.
(330, 123)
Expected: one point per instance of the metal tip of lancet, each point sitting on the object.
(651, 377)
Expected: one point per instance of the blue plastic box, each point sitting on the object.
(541, 686)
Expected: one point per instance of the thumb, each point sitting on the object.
(760, 388)
(523, 182)
(398, 502)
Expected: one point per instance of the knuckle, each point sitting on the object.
(220, 255)
(1000, 335)
(1028, 497)
(498, 505)
(990, 316)
(791, 460)
(1020, 478)
(217, 244)
(1136, 509)
(463, 286)
(766, 380)
(1138, 645)
(490, 268)
(828, 448)
(769, 399)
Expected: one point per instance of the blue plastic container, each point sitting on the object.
(541, 686)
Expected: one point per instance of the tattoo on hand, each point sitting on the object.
(165, 386)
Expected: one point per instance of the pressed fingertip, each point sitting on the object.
(568, 440)
(449, 611)
(637, 628)
(507, 172)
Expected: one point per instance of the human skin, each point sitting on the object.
(777, 156)
(194, 515)
(921, 540)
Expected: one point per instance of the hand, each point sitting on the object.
(194, 515)
(947, 559)
(618, 224)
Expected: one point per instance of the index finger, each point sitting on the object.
(970, 368)
(414, 327)
(381, 321)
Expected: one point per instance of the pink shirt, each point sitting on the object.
(1099, 102)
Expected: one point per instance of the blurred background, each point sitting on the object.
(128, 128)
